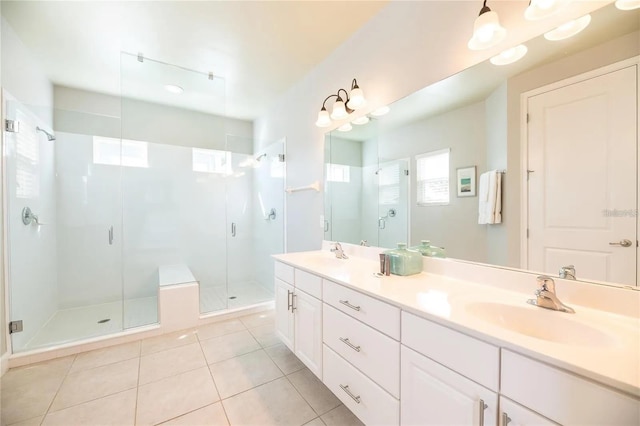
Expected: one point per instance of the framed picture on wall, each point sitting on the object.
(466, 178)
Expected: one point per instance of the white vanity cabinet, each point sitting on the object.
(299, 314)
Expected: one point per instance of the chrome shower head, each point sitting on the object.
(259, 157)
(50, 137)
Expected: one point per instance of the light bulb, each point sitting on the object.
(541, 9)
(356, 98)
(345, 127)
(510, 56)
(487, 31)
(568, 29)
(323, 118)
(627, 4)
(380, 111)
(339, 112)
(361, 120)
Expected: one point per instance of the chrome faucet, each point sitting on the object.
(364, 243)
(546, 296)
(337, 249)
(567, 272)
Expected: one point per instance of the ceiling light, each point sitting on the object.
(346, 127)
(361, 120)
(487, 31)
(173, 88)
(510, 56)
(343, 105)
(627, 4)
(541, 9)
(569, 29)
(380, 111)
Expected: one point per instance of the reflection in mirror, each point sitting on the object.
(558, 127)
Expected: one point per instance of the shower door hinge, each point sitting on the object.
(12, 126)
(406, 172)
(281, 158)
(15, 326)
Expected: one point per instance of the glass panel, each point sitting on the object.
(175, 168)
(65, 266)
(393, 202)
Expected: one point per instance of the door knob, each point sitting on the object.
(623, 243)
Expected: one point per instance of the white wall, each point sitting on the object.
(407, 46)
(32, 267)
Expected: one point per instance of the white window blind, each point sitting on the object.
(338, 173)
(211, 161)
(389, 184)
(116, 152)
(432, 176)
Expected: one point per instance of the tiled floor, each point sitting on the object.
(234, 372)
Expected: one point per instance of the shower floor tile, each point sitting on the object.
(68, 325)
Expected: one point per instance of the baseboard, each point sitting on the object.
(4, 363)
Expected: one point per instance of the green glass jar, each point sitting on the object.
(426, 249)
(404, 261)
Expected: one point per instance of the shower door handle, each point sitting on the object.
(382, 223)
(111, 235)
(233, 229)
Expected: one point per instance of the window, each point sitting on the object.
(116, 152)
(211, 161)
(433, 178)
(389, 184)
(338, 173)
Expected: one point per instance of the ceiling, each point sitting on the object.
(475, 84)
(259, 48)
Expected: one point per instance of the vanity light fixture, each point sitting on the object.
(346, 127)
(173, 88)
(361, 120)
(510, 56)
(487, 31)
(344, 105)
(380, 111)
(569, 29)
(627, 4)
(541, 9)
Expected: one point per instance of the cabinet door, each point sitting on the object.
(512, 414)
(284, 315)
(308, 331)
(434, 395)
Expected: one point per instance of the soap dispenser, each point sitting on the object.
(404, 261)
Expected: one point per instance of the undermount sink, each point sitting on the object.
(541, 324)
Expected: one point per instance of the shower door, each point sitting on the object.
(64, 256)
(393, 203)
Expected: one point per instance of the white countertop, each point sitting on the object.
(609, 351)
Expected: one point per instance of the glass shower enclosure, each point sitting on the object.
(105, 204)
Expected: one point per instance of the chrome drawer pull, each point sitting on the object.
(348, 392)
(289, 300)
(483, 407)
(505, 419)
(349, 305)
(351, 345)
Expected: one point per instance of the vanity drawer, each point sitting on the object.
(474, 359)
(370, 351)
(284, 272)
(377, 314)
(564, 397)
(309, 283)
(368, 401)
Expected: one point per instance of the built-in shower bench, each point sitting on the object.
(178, 297)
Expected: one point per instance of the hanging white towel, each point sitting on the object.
(490, 198)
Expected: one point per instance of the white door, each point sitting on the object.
(284, 315)
(308, 331)
(582, 148)
(434, 395)
(512, 414)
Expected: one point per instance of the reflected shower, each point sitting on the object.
(50, 137)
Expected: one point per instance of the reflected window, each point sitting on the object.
(211, 161)
(338, 173)
(389, 184)
(112, 152)
(27, 160)
(433, 178)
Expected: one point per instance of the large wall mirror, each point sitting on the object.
(558, 131)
